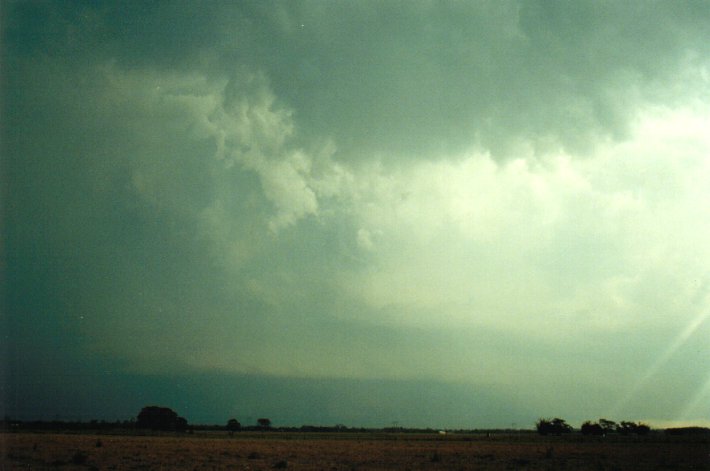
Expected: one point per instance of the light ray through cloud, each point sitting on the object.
(677, 342)
(697, 408)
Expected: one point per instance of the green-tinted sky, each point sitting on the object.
(445, 214)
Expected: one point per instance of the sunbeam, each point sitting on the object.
(677, 342)
(691, 412)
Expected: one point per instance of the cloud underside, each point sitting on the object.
(503, 194)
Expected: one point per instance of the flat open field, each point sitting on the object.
(204, 451)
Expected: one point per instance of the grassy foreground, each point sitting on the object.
(204, 451)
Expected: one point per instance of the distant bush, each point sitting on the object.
(264, 423)
(233, 425)
(160, 418)
(590, 428)
(603, 427)
(607, 426)
(627, 428)
(554, 426)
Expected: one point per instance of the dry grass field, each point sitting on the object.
(347, 452)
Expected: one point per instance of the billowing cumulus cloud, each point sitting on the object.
(487, 197)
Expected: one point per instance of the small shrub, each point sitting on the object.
(281, 464)
(99, 443)
(254, 456)
(436, 457)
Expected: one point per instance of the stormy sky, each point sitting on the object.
(435, 214)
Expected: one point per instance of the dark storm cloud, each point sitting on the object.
(427, 78)
(285, 190)
(406, 78)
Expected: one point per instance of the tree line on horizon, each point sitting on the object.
(602, 427)
(159, 418)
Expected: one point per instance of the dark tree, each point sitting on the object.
(554, 426)
(607, 425)
(181, 424)
(626, 428)
(589, 428)
(233, 425)
(264, 423)
(642, 429)
(160, 418)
